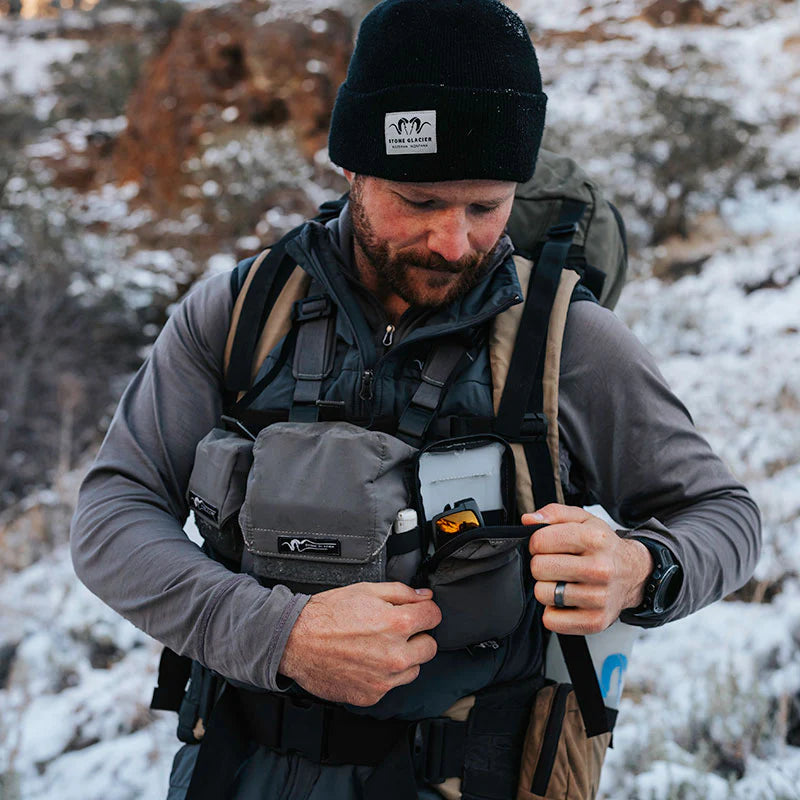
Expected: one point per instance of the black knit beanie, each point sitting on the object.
(440, 90)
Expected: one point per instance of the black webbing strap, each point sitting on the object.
(597, 718)
(315, 319)
(441, 745)
(495, 739)
(400, 543)
(521, 418)
(437, 373)
(173, 674)
(321, 732)
(267, 283)
(520, 415)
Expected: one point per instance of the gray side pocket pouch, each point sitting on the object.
(216, 489)
(479, 583)
(320, 502)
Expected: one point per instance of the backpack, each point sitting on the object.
(600, 247)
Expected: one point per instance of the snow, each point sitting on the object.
(37, 58)
(704, 714)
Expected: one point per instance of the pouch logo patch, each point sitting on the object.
(410, 132)
(203, 506)
(293, 544)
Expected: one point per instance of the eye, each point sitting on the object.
(478, 209)
(420, 204)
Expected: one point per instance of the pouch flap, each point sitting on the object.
(217, 483)
(323, 491)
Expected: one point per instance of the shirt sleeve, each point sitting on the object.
(127, 541)
(642, 459)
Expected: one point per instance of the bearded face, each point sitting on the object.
(402, 242)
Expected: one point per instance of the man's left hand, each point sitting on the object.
(604, 573)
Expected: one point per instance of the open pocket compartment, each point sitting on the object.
(479, 577)
(479, 467)
(216, 489)
(479, 581)
(321, 499)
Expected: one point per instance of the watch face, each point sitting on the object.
(663, 580)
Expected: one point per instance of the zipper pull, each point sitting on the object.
(388, 336)
(366, 384)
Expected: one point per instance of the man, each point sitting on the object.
(439, 119)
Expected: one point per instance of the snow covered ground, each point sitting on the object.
(708, 699)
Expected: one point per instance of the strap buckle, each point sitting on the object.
(308, 308)
(534, 427)
(303, 728)
(562, 230)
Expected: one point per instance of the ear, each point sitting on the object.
(349, 175)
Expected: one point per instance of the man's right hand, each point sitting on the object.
(355, 643)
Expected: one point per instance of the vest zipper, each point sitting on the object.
(368, 375)
(366, 384)
(366, 392)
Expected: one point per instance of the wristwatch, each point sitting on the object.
(662, 585)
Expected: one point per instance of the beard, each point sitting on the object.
(421, 279)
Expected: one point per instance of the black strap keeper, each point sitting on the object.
(308, 308)
(562, 230)
(443, 749)
(534, 426)
(533, 429)
(303, 729)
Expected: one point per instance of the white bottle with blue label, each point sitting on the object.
(610, 650)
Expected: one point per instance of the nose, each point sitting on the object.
(449, 234)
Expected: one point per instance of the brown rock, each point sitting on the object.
(663, 13)
(596, 32)
(283, 72)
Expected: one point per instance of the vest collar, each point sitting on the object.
(325, 252)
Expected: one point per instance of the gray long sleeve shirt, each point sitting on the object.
(639, 455)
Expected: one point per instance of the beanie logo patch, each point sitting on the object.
(410, 132)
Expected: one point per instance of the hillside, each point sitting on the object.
(147, 144)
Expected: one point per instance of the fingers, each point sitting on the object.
(576, 595)
(579, 569)
(556, 513)
(397, 593)
(568, 538)
(417, 618)
(422, 648)
(578, 622)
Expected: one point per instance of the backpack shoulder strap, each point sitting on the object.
(277, 324)
(525, 347)
(270, 282)
(501, 346)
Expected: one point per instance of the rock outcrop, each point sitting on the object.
(225, 66)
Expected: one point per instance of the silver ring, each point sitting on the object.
(558, 595)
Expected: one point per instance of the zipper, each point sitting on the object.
(366, 392)
(367, 377)
(369, 373)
